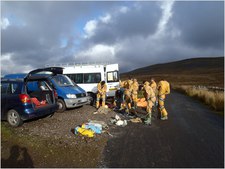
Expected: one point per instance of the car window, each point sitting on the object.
(10, 88)
(42, 85)
(32, 86)
(37, 86)
(14, 88)
(4, 88)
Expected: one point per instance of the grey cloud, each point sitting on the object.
(201, 23)
(202, 35)
(46, 23)
(135, 22)
(37, 29)
(147, 51)
(139, 21)
(16, 39)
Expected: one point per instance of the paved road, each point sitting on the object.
(192, 137)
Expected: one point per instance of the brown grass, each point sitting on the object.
(215, 99)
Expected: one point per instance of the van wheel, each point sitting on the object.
(14, 118)
(61, 106)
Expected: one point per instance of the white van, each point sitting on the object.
(87, 76)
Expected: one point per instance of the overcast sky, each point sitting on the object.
(133, 34)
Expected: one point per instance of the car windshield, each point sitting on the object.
(63, 80)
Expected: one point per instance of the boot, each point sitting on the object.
(97, 104)
(127, 111)
(164, 118)
(148, 120)
(103, 104)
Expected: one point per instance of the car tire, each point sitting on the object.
(62, 106)
(13, 118)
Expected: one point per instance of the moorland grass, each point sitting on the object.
(215, 99)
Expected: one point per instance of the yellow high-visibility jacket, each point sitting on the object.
(153, 85)
(148, 92)
(102, 89)
(123, 84)
(135, 86)
(129, 83)
(163, 87)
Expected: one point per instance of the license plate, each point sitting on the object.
(82, 100)
(113, 89)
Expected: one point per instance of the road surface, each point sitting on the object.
(193, 136)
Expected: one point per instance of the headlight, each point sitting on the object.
(71, 96)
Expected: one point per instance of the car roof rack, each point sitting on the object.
(78, 64)
(12, 79)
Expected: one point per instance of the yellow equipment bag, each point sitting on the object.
(85, 132)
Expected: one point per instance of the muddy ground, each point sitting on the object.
(193, 136)
(50, 141)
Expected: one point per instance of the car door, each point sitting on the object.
(10, 97)
(4, 89)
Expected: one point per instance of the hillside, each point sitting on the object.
(201, 71)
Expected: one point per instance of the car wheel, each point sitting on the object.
(14, 118)
(61, 106)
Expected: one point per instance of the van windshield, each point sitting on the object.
(63, 80)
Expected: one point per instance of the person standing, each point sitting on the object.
(150, 98)
(101, 93)
(127, 95)
(153, 85)
(134, 93)
(163, 90)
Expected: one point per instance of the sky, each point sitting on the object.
(133, 34)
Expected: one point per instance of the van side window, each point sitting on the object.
(77, 78)
(92, 77)
(85, 77)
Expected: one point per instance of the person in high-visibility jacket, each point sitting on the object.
(122, 83)
(119, 96)
(163, 90)
(150, 98)
(127, 95)
(153, 85)
(134, 92)
(101, 93)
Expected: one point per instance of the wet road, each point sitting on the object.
(192, 137)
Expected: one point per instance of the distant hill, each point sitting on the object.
(205, 71)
